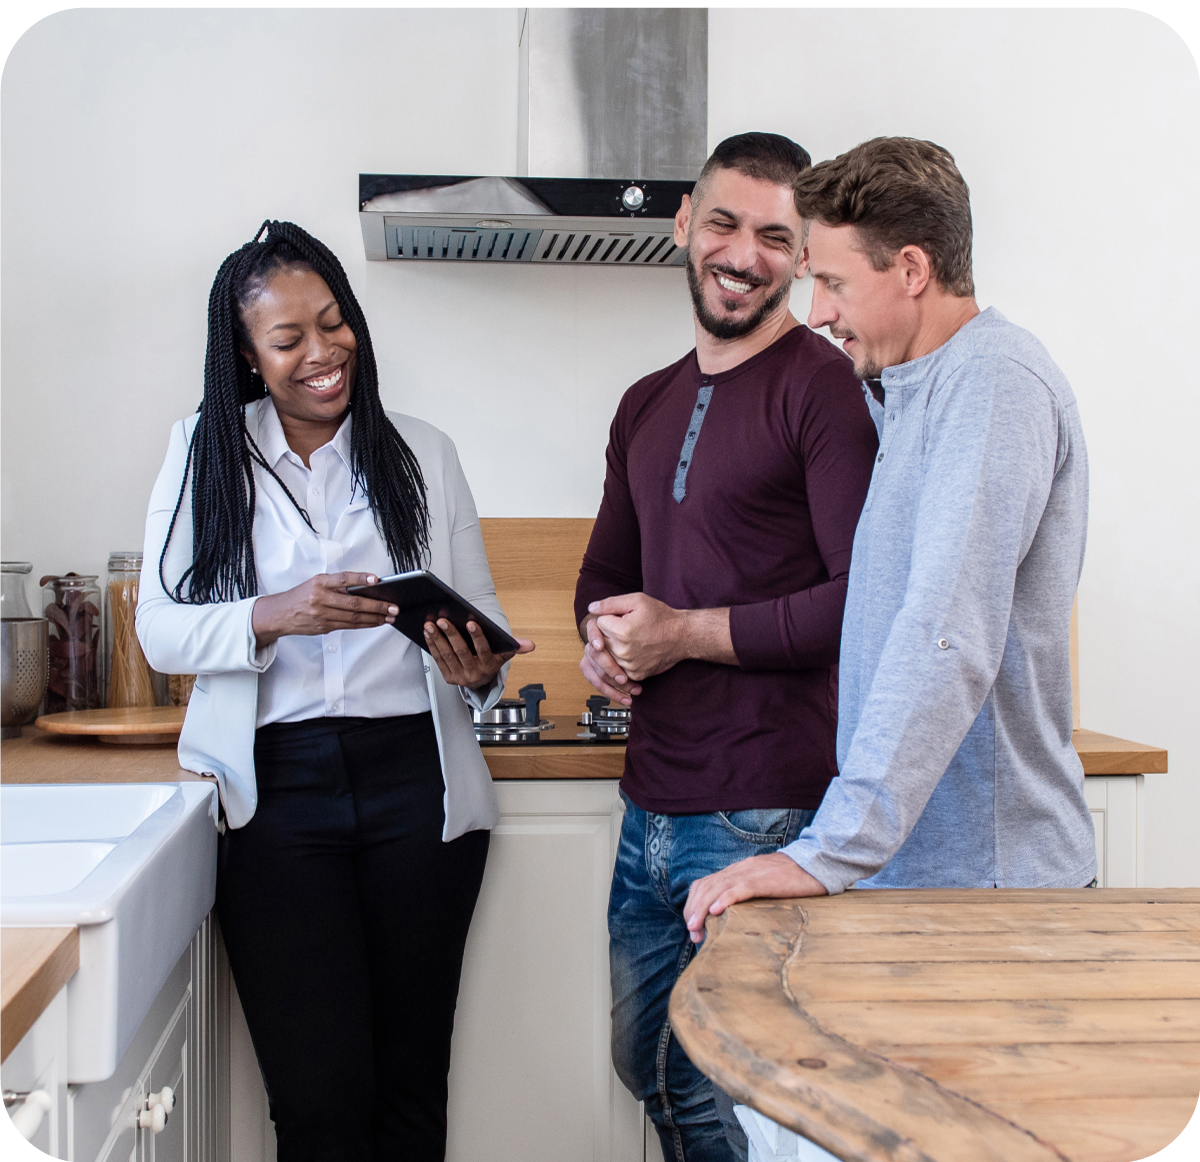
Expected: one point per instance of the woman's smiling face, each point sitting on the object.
(302, 347)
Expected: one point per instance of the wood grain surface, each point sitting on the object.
(599, 761)
(124, 721)
(535, 564)
(1102, 754)
(37, 757)
(34, 964)
(949, 1025)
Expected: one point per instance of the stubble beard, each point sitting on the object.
(731, 328)
(867, 368)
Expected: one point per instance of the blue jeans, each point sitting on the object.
(658, 858)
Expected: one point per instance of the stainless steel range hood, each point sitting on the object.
(613, 117)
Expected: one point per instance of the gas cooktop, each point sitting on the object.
(519, 722)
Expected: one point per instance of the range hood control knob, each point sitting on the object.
(633, 198)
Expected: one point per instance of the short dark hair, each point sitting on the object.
(896, 192)
(767, 157)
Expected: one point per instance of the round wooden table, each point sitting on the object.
(956, 1026)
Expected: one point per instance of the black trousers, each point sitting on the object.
(345, 917)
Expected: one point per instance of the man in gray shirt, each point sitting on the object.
(954, 751)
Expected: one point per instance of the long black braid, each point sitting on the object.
(222, 453)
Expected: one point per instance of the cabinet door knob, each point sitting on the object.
(153, 1119)
(27, 1117)
(165, 1098)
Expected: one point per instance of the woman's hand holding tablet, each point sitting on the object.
(455, 659)
(323, 604)
(468, 647)
(319, 605)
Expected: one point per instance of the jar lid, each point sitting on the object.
(130, 560)
(16, 567)
(69, 580)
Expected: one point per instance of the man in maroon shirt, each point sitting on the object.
(710, 599)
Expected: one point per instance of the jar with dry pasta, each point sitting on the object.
(131, 681)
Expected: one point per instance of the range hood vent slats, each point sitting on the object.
(584, 245)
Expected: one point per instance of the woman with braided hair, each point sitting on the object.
(356, 804)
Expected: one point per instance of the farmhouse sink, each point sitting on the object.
(135, 867)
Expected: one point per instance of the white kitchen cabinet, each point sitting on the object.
(251, 1131)
(39, 1062)
(174, 1046)
(1117, 804)
(530, 1077)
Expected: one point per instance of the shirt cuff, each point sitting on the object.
(258, 659)
(806, 854)
(754, 632)
(489, 695)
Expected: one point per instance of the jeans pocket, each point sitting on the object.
(762, 826)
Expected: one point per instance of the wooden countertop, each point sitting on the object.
(1102, 754)
(1012, 1026)
(37, 757)
(34, 964)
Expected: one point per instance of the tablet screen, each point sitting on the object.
(421, 596)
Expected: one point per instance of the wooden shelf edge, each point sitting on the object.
(600, 762)
(37, 962)
(1105, 754)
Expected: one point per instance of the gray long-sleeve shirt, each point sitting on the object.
(954, 751)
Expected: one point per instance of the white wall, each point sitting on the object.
(141, 146)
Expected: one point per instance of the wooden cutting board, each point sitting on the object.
(134, 724)
(994, 1026)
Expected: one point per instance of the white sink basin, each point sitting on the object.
(135, 867)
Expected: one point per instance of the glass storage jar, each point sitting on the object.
(131, 681)
(14, 601)
(71, 604)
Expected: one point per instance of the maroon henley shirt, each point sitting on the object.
(778, 469)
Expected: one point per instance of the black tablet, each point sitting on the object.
(422, 597)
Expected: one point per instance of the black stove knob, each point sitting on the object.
(534, 694)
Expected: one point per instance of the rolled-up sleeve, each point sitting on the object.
(990, 455)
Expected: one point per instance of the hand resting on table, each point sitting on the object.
(773, 876)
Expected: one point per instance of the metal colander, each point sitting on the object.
(24, 670)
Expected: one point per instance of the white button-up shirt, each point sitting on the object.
(369, 673)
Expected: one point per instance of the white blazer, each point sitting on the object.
(216, 641)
